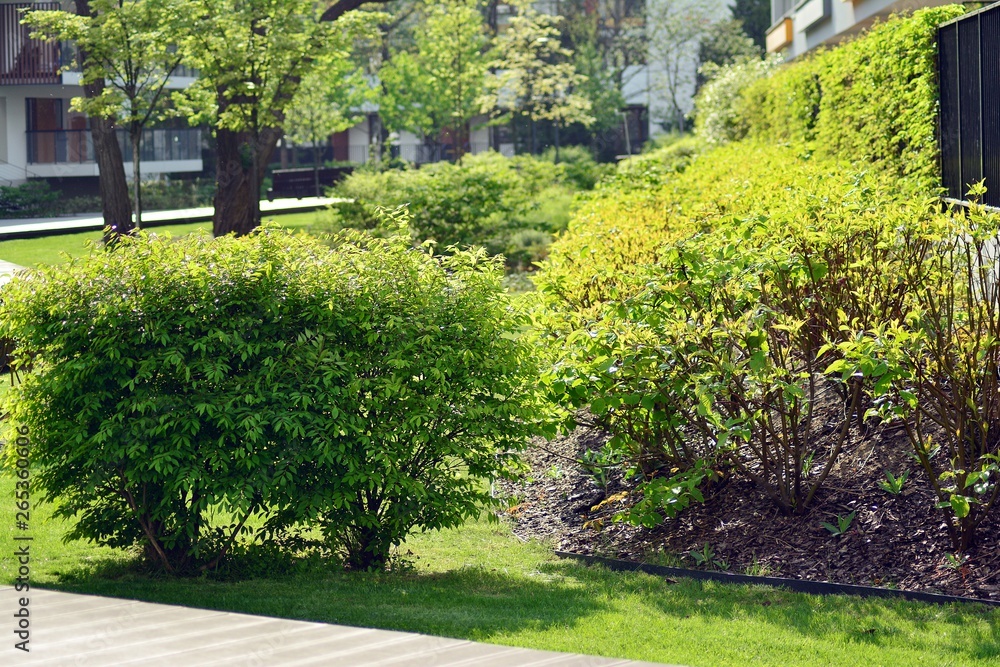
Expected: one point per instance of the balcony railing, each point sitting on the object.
(24, 60)
(77, 147)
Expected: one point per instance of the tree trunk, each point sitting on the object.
(534, 134)
(136, 137)
(237, 206)
(110, 165)
(115, 202)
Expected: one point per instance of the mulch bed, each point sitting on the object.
(894, 541)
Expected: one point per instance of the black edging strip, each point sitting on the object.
(798, 585)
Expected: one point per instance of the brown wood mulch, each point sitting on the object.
(895, 541)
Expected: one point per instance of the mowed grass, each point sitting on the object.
(479, 582)
(56, 249)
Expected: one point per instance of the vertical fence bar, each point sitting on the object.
(950, 129)
(990, 75)
(969, 113)
(969, 77)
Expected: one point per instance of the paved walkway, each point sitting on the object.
(21, 227)
(83, 630)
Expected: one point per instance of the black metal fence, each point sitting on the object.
(969, 71)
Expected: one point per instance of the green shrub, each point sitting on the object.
(937, 367)
(717, 114)
(176, 194)
(185, 388)
(31, 199)
(696, 317)
(580, 167)
(484, 200)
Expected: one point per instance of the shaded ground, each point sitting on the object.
(894, 541)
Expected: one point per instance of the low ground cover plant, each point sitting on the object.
(183, 390)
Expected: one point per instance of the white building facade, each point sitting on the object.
(798, 26)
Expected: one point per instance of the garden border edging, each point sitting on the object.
(798, 585)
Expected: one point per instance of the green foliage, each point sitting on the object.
(755, 17)
(937, 367)
(533, 74)
(666, 497)
(130, 49)
(329, 100)
(31, 199)
(843, 524)
(164, 195)
(439, 83)
(718, 113)
(705, 315)
(271, 381)
(893, 484)
(706, 558)
(579, 166)
(726, 43)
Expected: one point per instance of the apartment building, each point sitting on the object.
(798, 26)
(41, 137)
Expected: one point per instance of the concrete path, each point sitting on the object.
(84, 630)
(23, 227)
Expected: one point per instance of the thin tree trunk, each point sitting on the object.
(110, 165)
(316, 167)
(557, 140)
(136, 178)
(534, 145)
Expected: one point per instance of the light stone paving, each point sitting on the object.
(94, 221)
(7, 271)
(68, 629)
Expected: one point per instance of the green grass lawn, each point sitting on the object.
(56, 249)
(481, 583)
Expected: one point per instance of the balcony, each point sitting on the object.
(76, 146)
(24, 60)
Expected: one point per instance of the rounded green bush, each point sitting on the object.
(183, 388)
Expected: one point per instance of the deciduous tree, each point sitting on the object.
(329, 100)
(675, 29)
(533, 74)
(439, 84)
(252, 57)
(126, 54)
